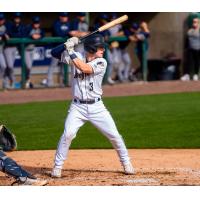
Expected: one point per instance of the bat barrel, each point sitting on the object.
(113, 23)
(106, 26)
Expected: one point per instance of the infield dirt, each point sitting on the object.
(102, 167)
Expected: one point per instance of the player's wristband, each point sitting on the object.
(73, 56)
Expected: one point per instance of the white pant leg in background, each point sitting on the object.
(110, 63)
(29, 62)
(52, 66)
(2, 65)
(73, 122)
(100, 117)
(127, 63)
(9, 53)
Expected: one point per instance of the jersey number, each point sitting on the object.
(91, 86)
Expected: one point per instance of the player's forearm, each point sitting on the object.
(84, 67)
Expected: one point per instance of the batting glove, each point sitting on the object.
(75, 40)
(69, 46)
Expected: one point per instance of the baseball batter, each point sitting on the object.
(87, 74)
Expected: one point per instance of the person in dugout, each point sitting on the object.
(61, 28)
(16, 29)
(35, 32)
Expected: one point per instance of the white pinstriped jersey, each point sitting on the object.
(86, 86)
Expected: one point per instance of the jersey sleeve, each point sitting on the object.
(66, 59)
(99, 66)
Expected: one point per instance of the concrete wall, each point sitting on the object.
(167, 34)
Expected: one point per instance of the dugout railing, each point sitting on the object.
(23, 42)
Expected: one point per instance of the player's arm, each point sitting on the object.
(76, 33)
(69, 46)
(81, 65)
(84, 67)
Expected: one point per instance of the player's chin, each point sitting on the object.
(100, 55)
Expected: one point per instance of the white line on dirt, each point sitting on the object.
(142, 180)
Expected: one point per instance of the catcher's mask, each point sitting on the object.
(92, 43)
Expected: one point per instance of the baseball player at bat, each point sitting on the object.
(87, 74)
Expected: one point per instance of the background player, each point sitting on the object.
(79, 28)
(35, 32)
(87, 75)
(3, 37)
(15, 30)
(61, 28)
(138, 33)
(115, 54)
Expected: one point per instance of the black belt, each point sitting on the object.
(89, 101)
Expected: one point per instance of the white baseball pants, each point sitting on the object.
(98, 115)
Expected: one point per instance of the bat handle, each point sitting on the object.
(86, 36)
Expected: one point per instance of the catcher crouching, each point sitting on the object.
(9, 166)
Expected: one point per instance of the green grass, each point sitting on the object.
(153, 121)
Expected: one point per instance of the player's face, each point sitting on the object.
(100, 52)
(2, 21)
(63, 19)
(36, 25)
(17, 20)
(195, 22)
(82, 18)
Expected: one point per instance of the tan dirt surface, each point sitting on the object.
(126, 89)
(102, 167)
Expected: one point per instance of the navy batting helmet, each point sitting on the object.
(93, 42)
(36, 20)
(104, 16)
(135, 26)
(17, 14)
(63, 14)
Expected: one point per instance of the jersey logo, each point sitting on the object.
(100, 63)
(80, 75)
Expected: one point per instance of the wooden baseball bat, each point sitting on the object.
(106, 26)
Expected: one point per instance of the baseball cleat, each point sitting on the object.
(110, 81)
(33, 182)
(128, 169)
(186, 77)
(56, 173)
(195, 77)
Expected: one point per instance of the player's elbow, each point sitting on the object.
(87, 70)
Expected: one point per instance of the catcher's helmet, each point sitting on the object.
(92, 43)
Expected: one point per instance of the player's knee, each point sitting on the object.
(69, 135)
(116, 138)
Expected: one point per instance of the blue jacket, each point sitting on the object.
(61, 29)
(16, 31)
